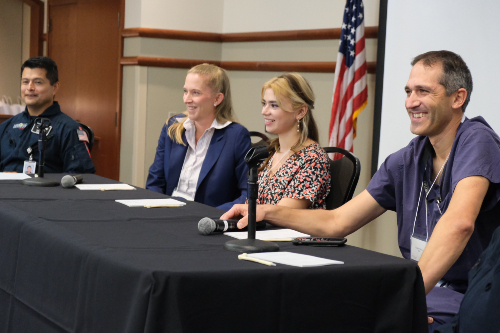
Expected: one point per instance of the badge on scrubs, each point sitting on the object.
(29, 167)
(418, 245)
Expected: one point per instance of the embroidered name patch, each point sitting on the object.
(20, 125)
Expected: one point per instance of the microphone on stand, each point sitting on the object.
(253, 158)
(69, 181)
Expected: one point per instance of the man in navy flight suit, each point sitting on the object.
(66, 150)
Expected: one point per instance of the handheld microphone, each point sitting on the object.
(70, 180)
(208, 226)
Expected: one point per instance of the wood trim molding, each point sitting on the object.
(164, 62)
(312, 34)
(262, 66)
(36, 27)
(172, 34)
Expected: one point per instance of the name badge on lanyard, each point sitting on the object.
(418, 245)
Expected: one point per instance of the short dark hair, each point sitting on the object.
(456, 74)
(43, 62)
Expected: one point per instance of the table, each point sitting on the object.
(77, 261)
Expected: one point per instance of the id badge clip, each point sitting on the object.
(418, 245)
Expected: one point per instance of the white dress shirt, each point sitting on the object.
(195, 155)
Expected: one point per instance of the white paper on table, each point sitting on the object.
(98, 187)
(150, 202)
(285, 234)
(13, 176)
(294, 259)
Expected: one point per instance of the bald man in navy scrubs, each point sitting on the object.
(444, 186)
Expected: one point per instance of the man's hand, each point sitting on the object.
(238, 211)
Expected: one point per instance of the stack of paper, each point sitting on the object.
(294, 259)
(13, 176)
(104, 187)
(152, 203)
(276, 235)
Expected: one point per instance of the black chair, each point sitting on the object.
(90, 135)
(264, 140)
(345, 175)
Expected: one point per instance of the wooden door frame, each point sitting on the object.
(36, 27)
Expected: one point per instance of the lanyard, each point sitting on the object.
(426, 194)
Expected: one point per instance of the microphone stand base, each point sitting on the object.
(251, 246)
(38, 181)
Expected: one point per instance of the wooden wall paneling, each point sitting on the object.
(84, 42)
(62, 48)
(97, 71)
(36, 27)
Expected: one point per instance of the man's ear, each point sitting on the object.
(459, 99)
(56, 87)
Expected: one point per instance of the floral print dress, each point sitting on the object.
(304, 175)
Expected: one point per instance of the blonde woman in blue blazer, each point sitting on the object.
(200, 153)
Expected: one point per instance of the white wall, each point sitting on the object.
(468, 28)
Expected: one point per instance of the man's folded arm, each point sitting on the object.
(453, 230)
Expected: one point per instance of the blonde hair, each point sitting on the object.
(216, 78)
(298, 91)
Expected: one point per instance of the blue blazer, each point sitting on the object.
(224, 173)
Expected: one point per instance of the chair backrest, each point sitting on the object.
(263, 139)
(90, 135)
(344, 173)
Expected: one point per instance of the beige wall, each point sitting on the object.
(11, 47)
(14, 45)
(192, 15)
(164, 91)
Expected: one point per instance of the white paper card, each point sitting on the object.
(268, 234)
(151, 202)
(13, 176)
(108, 187)
(294, 259)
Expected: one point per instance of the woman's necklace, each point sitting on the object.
(277, 165)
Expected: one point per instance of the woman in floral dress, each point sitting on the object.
(296, 174)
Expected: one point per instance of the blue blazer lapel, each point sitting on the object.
(214, 150)
(175, 162)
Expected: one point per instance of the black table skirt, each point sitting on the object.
(77, 261)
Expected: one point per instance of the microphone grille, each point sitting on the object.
(206, 226)
(68, 181)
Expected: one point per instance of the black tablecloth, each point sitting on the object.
(77, 261)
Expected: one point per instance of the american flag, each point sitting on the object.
(350, 93)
